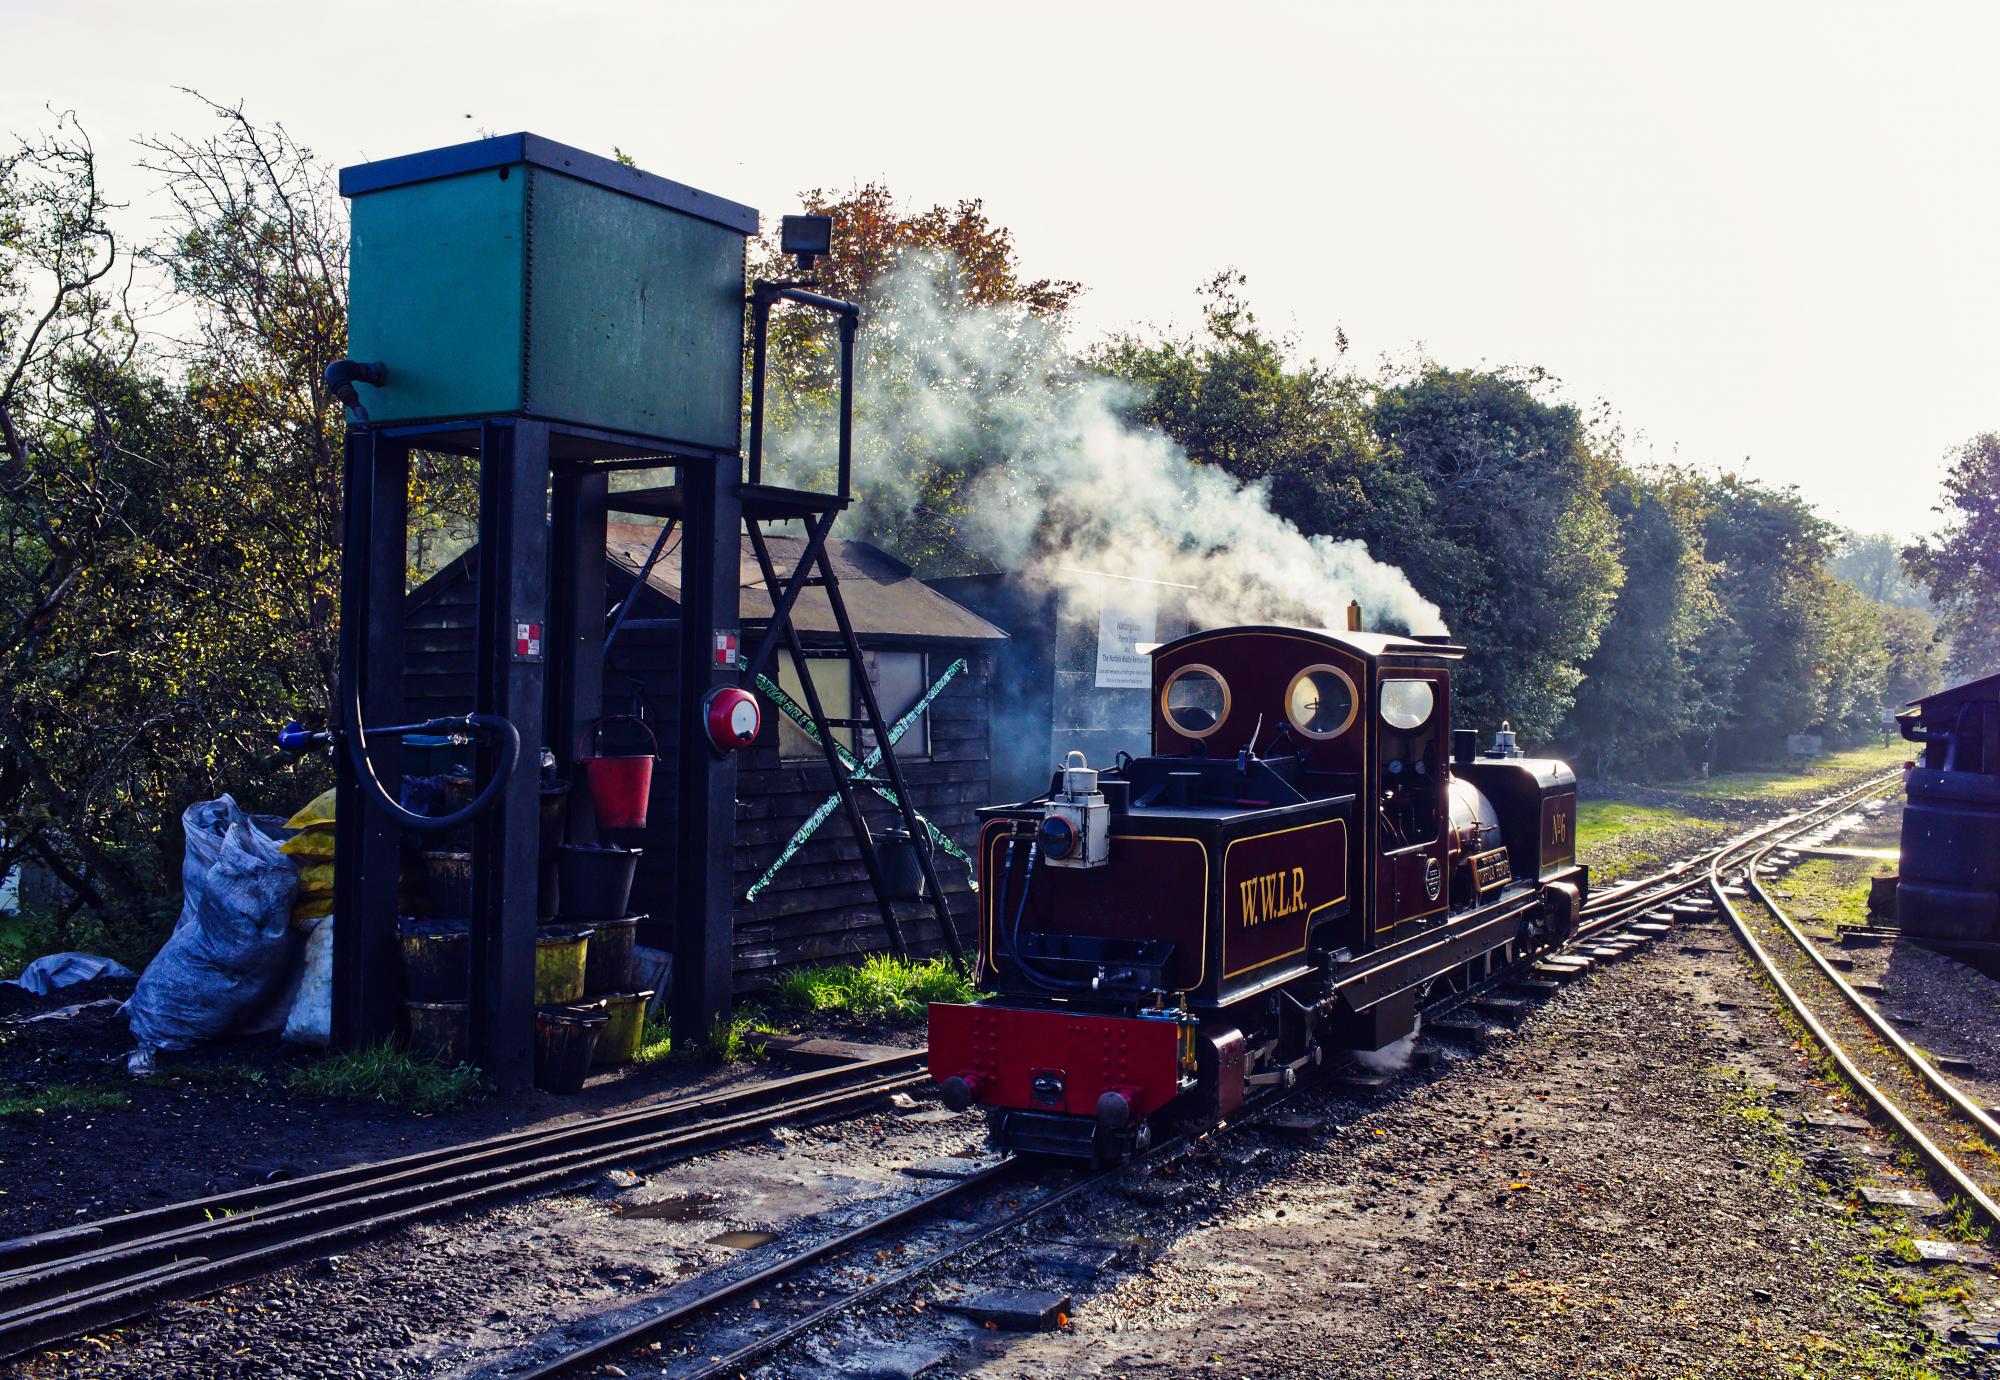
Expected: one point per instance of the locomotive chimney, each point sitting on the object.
(1354, 615)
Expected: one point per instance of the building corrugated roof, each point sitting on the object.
(884, 597)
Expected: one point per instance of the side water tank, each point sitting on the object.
(1950, 882)
(1950, 886)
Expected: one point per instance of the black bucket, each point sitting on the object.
(595, 879)
(555, 815)
(548, 889)
(902, 868)
(439, 1030)
(447, 882)
(437, 959)
(608, 962)
(565, 1045)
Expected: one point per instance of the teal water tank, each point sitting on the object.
(516, 276)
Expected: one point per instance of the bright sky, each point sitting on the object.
(1761, 231)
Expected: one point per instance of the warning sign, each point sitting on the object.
(1129, 619)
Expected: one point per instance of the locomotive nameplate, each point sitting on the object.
(1273, 885)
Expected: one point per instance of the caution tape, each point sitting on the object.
(857, 771)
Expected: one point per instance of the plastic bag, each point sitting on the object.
(316, 813)
(316, 842)
(316, 879)
(53, 971)
(311, 1019)
(233, 951)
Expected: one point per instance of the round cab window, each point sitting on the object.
(1407, 703)
(1321, 702)
(1195, 701)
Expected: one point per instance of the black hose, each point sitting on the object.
(357, 754)
(1033, 974)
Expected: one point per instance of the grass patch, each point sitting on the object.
(1817, 777)
(386, 1074)
(1600, 822)
(655, 1043)
(1831, 891)
(875, 987)
(60, 1097)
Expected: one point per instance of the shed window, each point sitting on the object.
(901, 678)
(834, 679)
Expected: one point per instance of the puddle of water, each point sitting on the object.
(681, 1207)
(743, 1240)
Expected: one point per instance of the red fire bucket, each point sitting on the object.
(619, 786)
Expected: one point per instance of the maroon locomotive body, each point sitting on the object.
(1306, 855)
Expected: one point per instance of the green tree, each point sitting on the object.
(1873, 563)
(1641, 695)
(1959, 564)
(1517, 485)
(1796, 649)
(1237, 398)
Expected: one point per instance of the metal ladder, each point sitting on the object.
(815, 571)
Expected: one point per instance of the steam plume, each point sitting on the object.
(977, 417)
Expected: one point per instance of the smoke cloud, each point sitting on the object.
(975, 422)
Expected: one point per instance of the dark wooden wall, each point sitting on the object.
(820, 907)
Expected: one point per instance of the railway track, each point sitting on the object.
(61, 1284)
(555, 1355)
(1955, 1137)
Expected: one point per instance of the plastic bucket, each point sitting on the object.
(559, 958)
(437, 959)
(440, 1030)
(447, 882)
(565, 1043)
(607, 967)
(619, 786)
(595, 879)
(618, 1043)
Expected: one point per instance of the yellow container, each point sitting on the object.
(618, 1043)
(559, 955)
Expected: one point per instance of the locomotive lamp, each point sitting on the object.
(1076, 823)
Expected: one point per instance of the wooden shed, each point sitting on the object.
(819, 906)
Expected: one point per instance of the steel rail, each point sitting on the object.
(1938, 1159)
(39, 1247)
(1927, 1071)
(1673, 882)
(110, 1285)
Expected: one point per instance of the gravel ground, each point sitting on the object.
(1620, 1187)
(222, 1119)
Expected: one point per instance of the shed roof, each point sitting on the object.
(1985, 688)
(884, 597)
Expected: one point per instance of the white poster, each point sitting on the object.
(1129, 619)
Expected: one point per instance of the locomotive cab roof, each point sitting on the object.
(1373, 646)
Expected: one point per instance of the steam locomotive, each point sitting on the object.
(1291, 874)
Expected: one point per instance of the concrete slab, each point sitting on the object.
(1920, 1201)
(895, 1363)
(1014, 1310)
(1833, 1121)
(1079, 1263)
(1934, 1253)
(820, 1052)
(1954, 1063)
(947, 1167)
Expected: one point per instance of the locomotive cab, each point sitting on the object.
(1288, 873)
